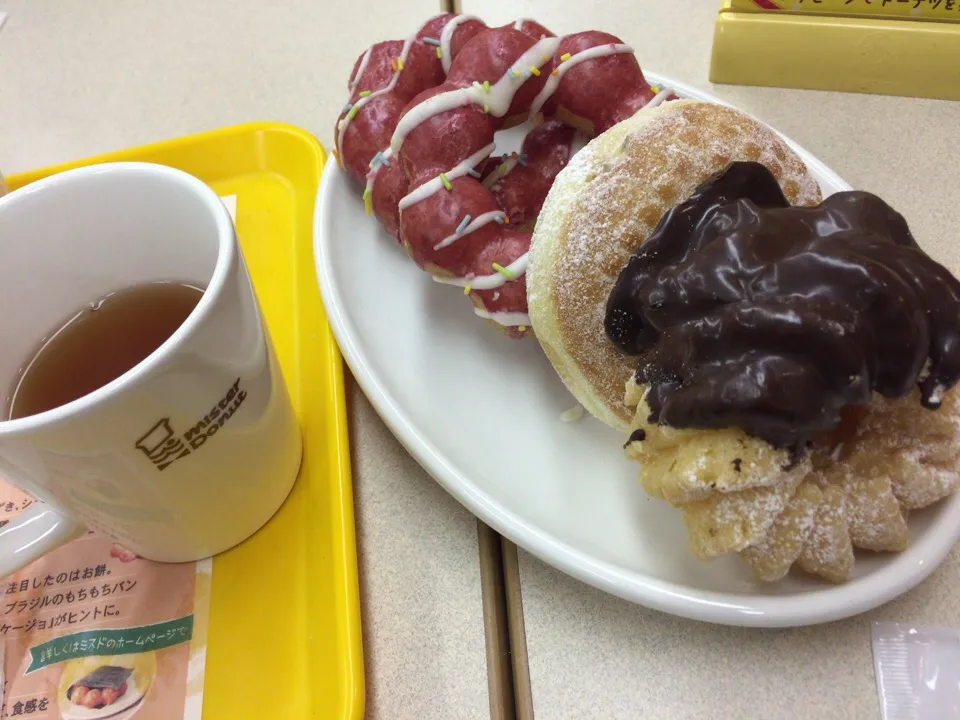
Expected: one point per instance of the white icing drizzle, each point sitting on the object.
(489, 282)
(497, 100)
(490, 180)
(507, 319)
(554, 80)
(345, 120)
(478, 222)
(659, 98)
(360, 68)
(447, 36)
(434, 185)
(518, 25)
(372, 175)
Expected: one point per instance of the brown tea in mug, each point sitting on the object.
(99, 344)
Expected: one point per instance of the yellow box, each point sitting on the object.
(889, 56)
(948, 10)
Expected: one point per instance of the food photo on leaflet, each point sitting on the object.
(92, 630)
(773, 349)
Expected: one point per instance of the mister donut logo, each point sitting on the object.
(163, 445)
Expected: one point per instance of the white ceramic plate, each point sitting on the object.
(481, 413)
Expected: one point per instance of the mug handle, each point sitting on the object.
(32, 534)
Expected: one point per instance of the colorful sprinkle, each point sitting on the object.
(347, 108)
(514, 73)
(506, 220)
(503, 271)
(522, 328)
(502, 169)
(555, 72)
(463, 224)
(655, 88)
(526, 75)
(466, 289)
(399, 63)
(472, 172)
(393, 64)
(522, 159)
(431, 41)
(486, 108)
(564, 57)
(486, 86)
(379, 159)
(445, 181)
(367, 204)
(545, 58)
(439, 52)
(353, 112)
(364, 93)
(535, 70)
(499, 220)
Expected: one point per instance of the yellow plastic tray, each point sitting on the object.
(284, 638)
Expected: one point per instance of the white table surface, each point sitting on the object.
(595, 656)
(80, 78)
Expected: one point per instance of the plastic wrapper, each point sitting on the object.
(918, 671)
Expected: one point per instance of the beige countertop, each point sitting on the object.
(80, 78)
(592, 655)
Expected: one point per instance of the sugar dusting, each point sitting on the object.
(874, 516)
(772, 557)
(727, 522)
(828, 551)
(895, 457)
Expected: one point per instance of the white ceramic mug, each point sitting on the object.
(189, 452)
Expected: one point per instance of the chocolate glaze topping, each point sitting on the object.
(748, 312)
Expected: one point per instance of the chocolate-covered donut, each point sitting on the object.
(747, 312)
